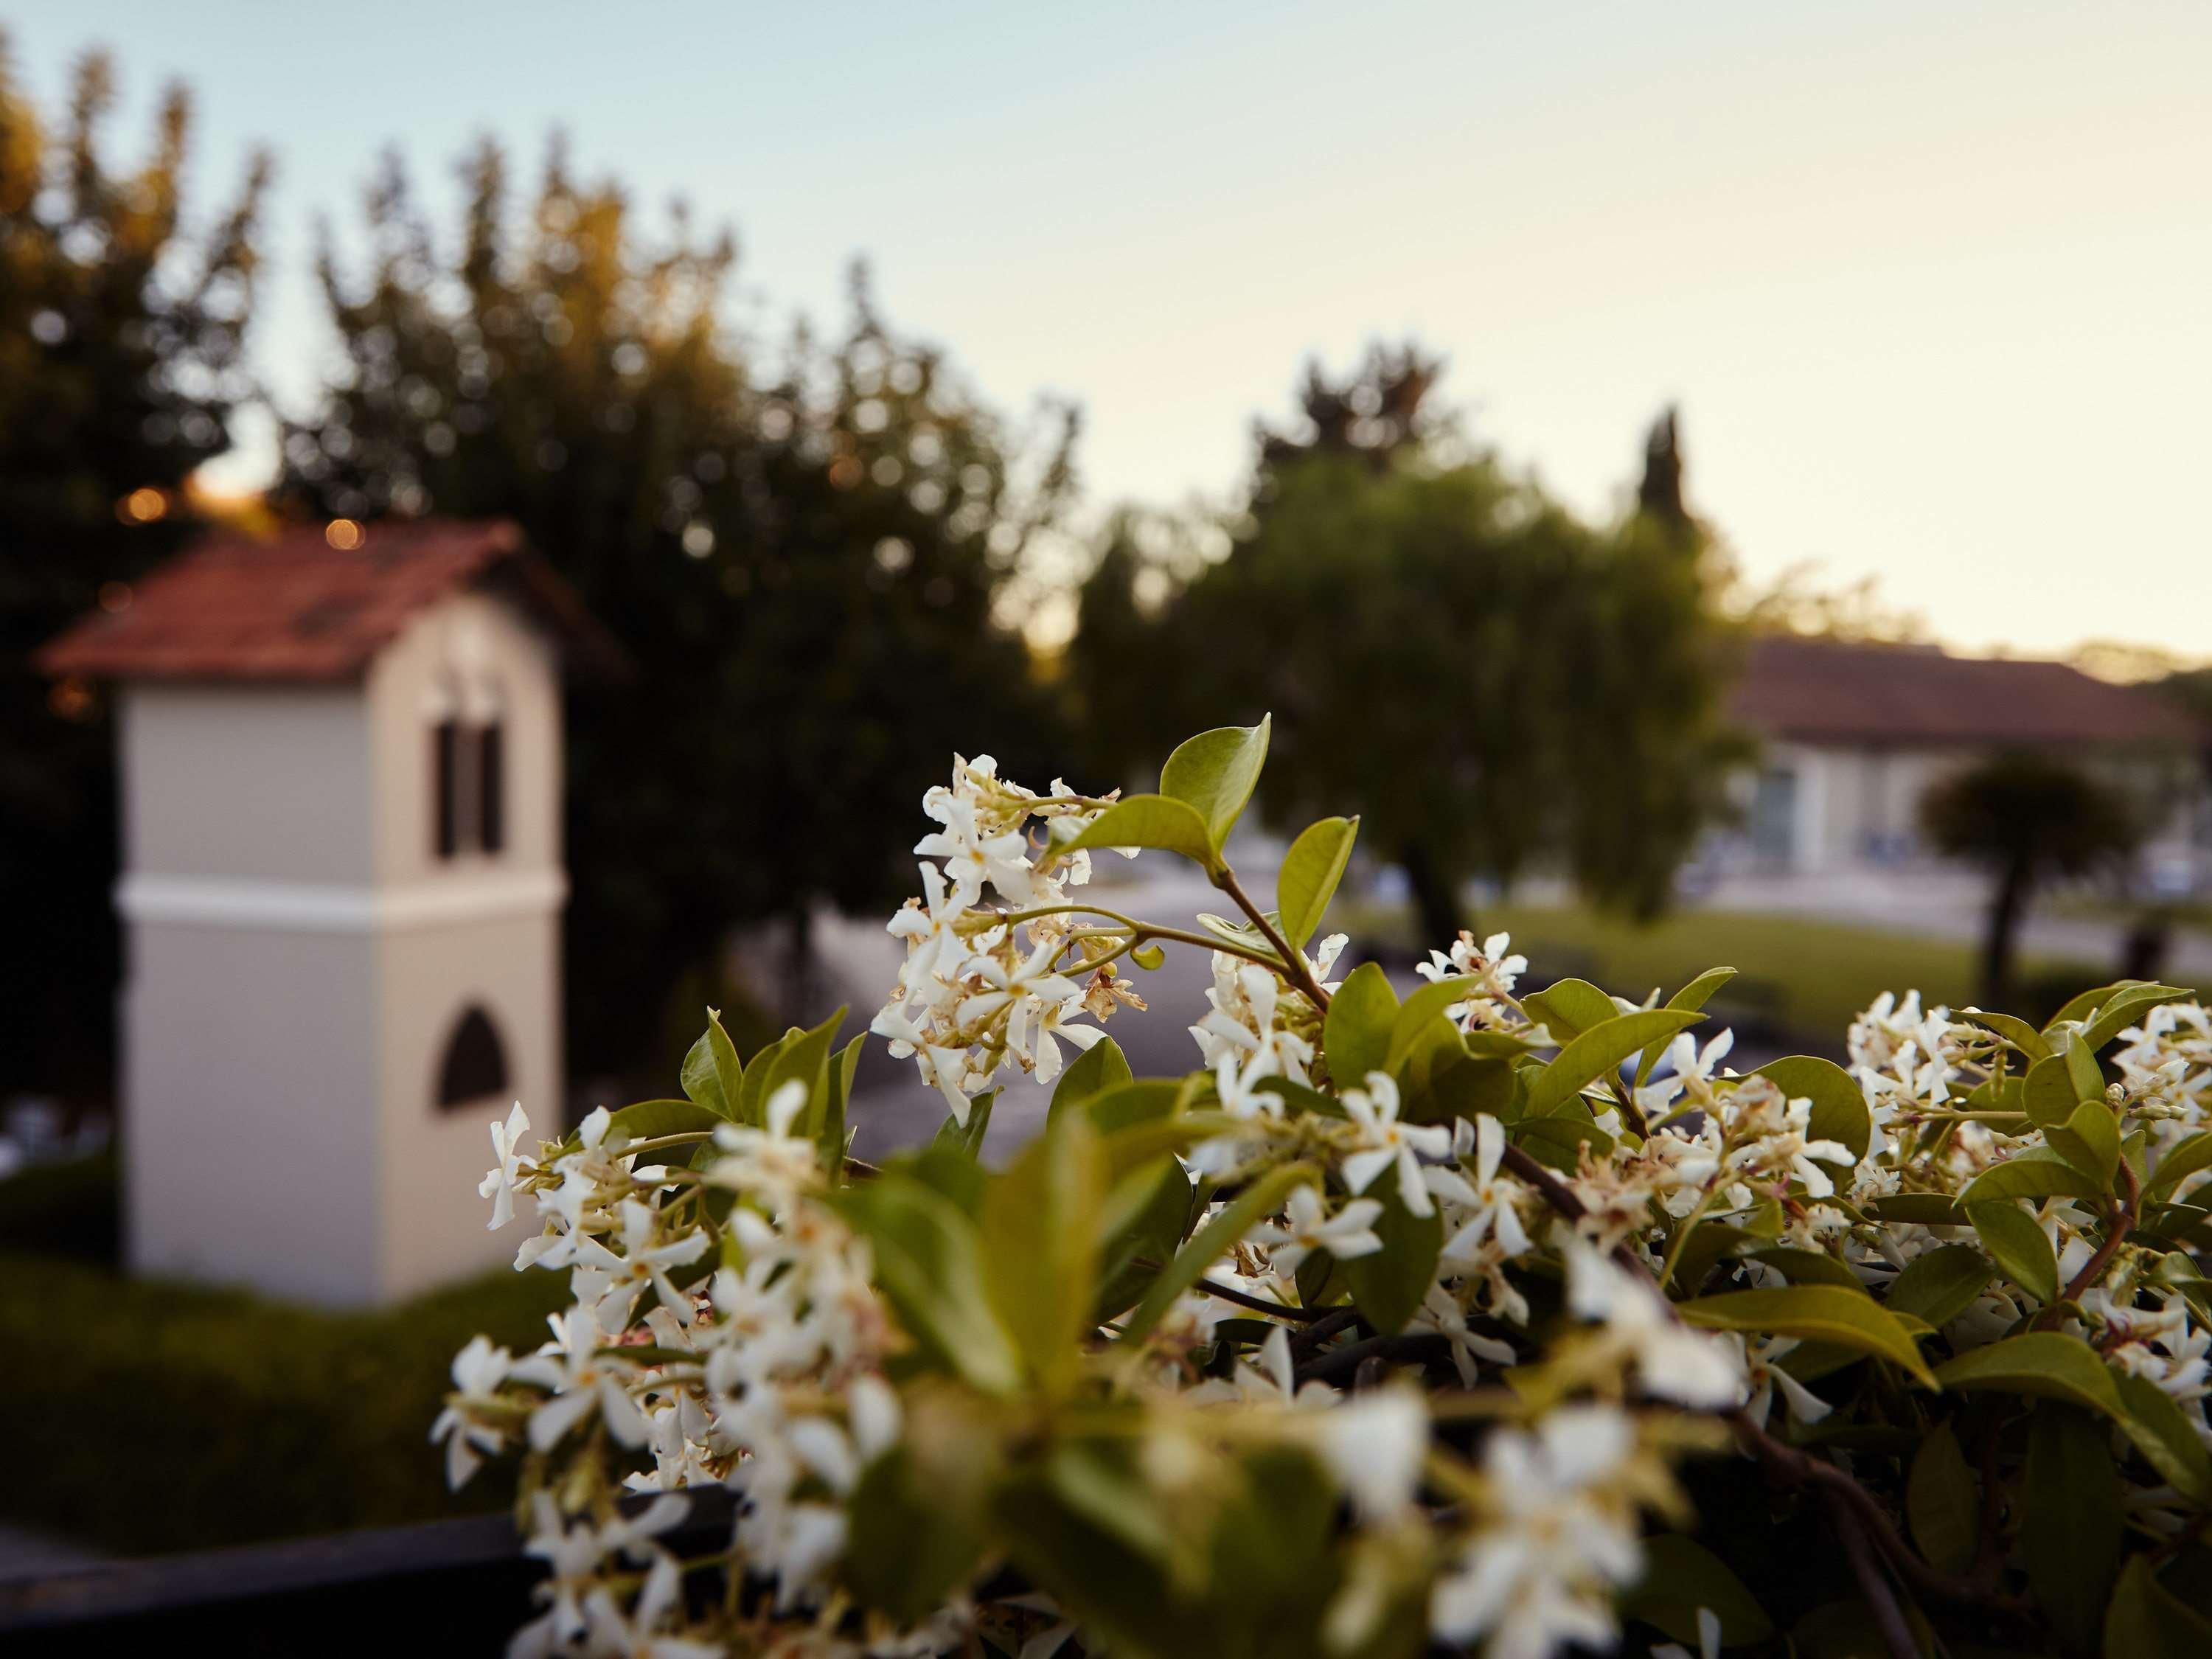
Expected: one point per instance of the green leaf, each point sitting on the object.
(1568, 1007)
(752, 1090)
(2125, 1009)
(1422, 1016)
(2183, 1159)
(1601, 1048)
(1809, 1267)
(1310, 872)
(2046, 1364)
(1387, 1285)
(829, 1134)
(711, 1071)
(2090, 1140)
(968, 1138)
(2145, 1621)
(2038, 1172)
(1146, 1212)
(1246, 1210)
(1356, 1034)
(802, 1059)
(2018, 1032)
(2082, 1066)
(929, 1265)
(2019, 1245)
(2162, 1432)
(1173, 826)
(1941, 1503)
(1241, 935)
(1940, 1284)
(2047, 1094)
(1695, 994)
(1839, 1108)
(907, 1548)
(2070, 1523)
(1098, 1068)
(2091, 1002)
(1817, 1313)
(1557, 1137)
(1681, 1575)
(1040, 1231)
(649, 1120)
(1213, 774)
(1919, 1210)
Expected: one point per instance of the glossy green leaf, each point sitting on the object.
(1557, 1137)
(751, 1088)
(712, 1075)
(649, 1120)
(1173, 826)
(1942, 1504)
(1839, 1108)
(831, 1133)
(2126, 1008)
(1940, 1284)
(1568, 1007)
(2070, 1522)
(1310, 872)
(1146, 1211)
(1808, 1267)
(2163, 1433)
(2046, 1364)
(1681, 1575)
(2183, 1159)
(1597, 1051)
(968, 1138)
(2047, 1093)
(907, 1548)
(2103, 997)
(929, 1265)
(1040, 1233)
(1214, 773)
(1356, 1034)
(2019, 1245)
(1387, 1285)
(2145, 1621)
(2090, 1140)
(1101, 1066)
(1215, 1240)
(1695, 994)
(1919, 1210)
(1817, 1313)
(1421, 1018)
(2018, 1032)
(2038, 1172)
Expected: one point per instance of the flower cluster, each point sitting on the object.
(1392, 1323)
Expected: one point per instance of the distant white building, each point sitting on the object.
(1855, 734)
(342, 889)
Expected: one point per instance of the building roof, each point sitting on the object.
(294, 607)
(1830, 691)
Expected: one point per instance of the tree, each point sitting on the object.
(2026, 819)
(803, 559)
(121, 331)
(1502, 685)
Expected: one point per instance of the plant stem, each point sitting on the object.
(1293, 966)
(1682, 1233)
(1257, 1303)
(2118, 1221)
(1873, 1590)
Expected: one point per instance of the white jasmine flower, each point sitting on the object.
(1673, 1362)
(1374, 1445)
(1541, 1575)
(1440, 1312)
(581, 1382)
(1762, 1363)
(1383, 1141)
(1489, 1206)
(638, 1634)
(478, 1370)
(509, 1165)
(1347, 1235)
(972, 856)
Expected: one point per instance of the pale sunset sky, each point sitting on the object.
(1932, 283)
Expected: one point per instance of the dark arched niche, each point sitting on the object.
(475, 1063)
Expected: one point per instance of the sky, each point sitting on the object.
(1931, 284)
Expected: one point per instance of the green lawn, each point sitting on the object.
(1808, 976)
(143, 1416)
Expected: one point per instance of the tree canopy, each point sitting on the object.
(122, 325)
(1503, 685)
(803, 556)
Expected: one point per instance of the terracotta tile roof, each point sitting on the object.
(1827, 691)
(294, 608)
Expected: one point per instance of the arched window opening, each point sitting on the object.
(475, 1063)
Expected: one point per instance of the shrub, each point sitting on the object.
(148, 1416)
(1462, 1319)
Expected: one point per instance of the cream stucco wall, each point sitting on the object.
(299, 957)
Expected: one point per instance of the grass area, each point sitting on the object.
(144, 1416)
(1808, 977)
